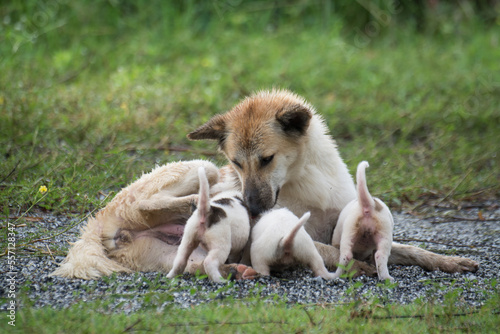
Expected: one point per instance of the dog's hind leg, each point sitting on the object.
(188, 244)
(167, 203)
(345, 258)
(317, 266)
(262, 268)
(214, 259)
(411, 255)
(381, 257)
(88, 258)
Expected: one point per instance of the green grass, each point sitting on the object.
(86, 108)
(263, 315)
(94, 94)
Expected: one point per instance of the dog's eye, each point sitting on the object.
(237, 164)
(265, 161)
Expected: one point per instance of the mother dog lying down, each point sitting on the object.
(280, 156)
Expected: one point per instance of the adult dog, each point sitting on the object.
(280, 156)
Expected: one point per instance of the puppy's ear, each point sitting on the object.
(214, 129)
(294, 120)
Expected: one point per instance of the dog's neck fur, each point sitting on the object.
(324, 182)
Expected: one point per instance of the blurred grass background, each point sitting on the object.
(93, 93)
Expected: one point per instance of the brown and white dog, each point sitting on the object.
(221, 225)
(364, 229)
(281, 156)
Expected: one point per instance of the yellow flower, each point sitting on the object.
(42, 189)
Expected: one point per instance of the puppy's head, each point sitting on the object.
(263, 137)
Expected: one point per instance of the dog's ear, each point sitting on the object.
(214, 129)
(294, 120)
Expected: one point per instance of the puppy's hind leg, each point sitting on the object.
(345, 257)
(318, 267)
(306, 253)
(381, 259)
(346, 244)
(214, 259)
(261, 267)
(188, 244)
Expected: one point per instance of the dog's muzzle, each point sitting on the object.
(259, 201)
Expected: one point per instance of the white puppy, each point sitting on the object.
(221, 225)
(364, 228)
(280, 240)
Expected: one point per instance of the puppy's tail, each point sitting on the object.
(203, 199)
(366, 200)
(287, 242)
(87, 257)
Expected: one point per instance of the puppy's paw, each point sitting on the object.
(171, 274)
(384, 278)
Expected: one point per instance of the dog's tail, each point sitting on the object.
(87, 257)
(203, 206)
(287, 242)
(366, 200)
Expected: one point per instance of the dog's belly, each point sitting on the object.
(170, 234)
(170, 229)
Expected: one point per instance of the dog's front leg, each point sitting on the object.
(331, 257)
(411, 255)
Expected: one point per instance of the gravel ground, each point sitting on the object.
(443, 233)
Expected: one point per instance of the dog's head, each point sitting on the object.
(263, 138)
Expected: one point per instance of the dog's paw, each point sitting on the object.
(363, 268)
(239, 271)
(458, 265)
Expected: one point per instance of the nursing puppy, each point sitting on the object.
(364, 228)
(279, 240)
(221, 225)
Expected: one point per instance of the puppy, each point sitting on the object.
(221, 225)
(280, 240)
(364, 227)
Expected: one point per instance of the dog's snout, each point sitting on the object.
(253, 204)
(259, 198)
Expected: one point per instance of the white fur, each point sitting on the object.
(365, 226)
(224, 239)
(322, 184)
(275, 228)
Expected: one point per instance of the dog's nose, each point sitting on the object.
(255, 210)
(254, 205)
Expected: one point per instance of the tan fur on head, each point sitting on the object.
(266, 138)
